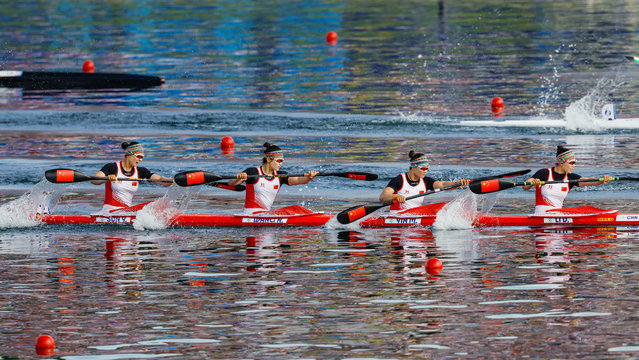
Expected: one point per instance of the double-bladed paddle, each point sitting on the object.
(199, 177)
(357, 212)
(489, 186)
(60, 176)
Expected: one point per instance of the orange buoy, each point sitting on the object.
(45, 345)
(88, 66)
(331, 38)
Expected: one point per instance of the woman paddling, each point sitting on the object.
(118, 195)
(552, 196)
(261, 191)
(411, 183)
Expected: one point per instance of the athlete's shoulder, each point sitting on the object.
(110, 168)
(542, 174)
(144, 173)
(396, 182)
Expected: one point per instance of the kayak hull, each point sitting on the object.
(49, 80)
(212, 220)
(197, 220)
(320, 219)
(299, 216)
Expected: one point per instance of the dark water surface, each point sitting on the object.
(403, 76)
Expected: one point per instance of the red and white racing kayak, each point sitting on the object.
(576, 216)
(422, 216)
(289, 216)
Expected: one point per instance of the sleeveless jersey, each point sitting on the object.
(260, 195)
(120, 193)
(408, 190)
(550, 196)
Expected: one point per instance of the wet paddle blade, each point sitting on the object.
(357, 175)
(60, 176)
(356, 212)
(197, 177)
(489, 186)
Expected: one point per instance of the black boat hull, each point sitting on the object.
(46, 80)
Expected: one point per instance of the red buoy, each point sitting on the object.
(497, 102)
(331, 38)
(45, 345)
(434, 266)
(227, 143)
(88, 66)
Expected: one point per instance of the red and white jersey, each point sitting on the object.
(120, 193)
(260, 196)
(551, 196)
(408, 190)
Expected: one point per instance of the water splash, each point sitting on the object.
(585, 113)
(550, 84)
(21, 212)
(158, 214)
(458, 213)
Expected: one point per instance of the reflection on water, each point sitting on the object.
(316, 293)
(439, 58)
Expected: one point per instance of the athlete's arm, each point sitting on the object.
(389, 195)
(301, 180)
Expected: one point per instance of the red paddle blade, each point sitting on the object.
(355, 213)
(190, 178)
(362, 176)
(488, 186)
(357, 175)
(59, 176)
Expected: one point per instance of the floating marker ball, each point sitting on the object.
(227, 143)
(498, 106)
(331, 37)
(434, 266)
(45, 345)
(88, 66)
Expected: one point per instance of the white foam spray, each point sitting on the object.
(585, 113)
(21, 212)
(158, 214)
(460, 213)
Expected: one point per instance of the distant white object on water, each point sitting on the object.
(608, 112)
